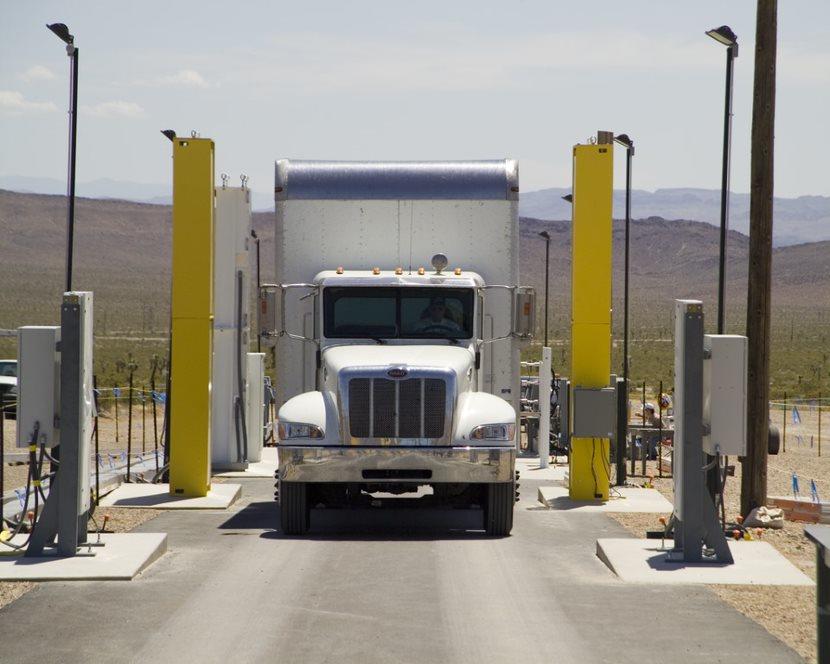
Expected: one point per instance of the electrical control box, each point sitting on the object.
(38, 384)
(594, 412)
(724, 394)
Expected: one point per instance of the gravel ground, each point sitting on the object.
(789, 613)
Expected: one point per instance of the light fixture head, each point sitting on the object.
(62, 32)
(545, 235)
(724, 35)
(568, 197)
(625, 141)
(439, 262)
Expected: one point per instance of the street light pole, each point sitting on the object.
(546, 236)
(625, 141)
(622, 436)
(63, 34)
(724, 35)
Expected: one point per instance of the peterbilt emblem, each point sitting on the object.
(397, 372)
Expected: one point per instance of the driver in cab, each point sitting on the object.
(435, 318)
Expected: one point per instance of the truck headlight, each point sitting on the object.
(289, 430)
(494, 432)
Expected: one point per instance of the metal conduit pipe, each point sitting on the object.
(239, 409)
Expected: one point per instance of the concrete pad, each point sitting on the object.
(122, 557)
(529, 469)
(157, 496)
(630, 499)
(265, 467)
(643, 561)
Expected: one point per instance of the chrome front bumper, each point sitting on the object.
(370, 464)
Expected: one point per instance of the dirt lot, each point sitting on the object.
(787, 612)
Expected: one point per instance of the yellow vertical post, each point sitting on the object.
(591, 304)
(192, 315)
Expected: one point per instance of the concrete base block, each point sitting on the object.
(529, 469)
(157, 496)
(265, 467)
(629, 500)
(122, 557)
(643, 561)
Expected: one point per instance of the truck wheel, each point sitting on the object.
(295, 512)
(498, 515)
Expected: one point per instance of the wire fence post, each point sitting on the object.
(97, 447)
(630, 442)
(129, 423)
(784, 433)
(115, 393)
(660, 431)
(143, 420)
(643, 442)
(153, 396)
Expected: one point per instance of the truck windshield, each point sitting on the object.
(397, 313)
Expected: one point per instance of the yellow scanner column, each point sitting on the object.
(192, 314)
(591, 304)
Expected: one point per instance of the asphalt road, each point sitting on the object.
(379, 586)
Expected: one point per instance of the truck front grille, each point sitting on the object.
(411, 408)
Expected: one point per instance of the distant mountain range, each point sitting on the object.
(106, 188)
(797, 220)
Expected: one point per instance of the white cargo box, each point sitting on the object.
(388, 215)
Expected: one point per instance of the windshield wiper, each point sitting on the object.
(453, 341)
(378, 340)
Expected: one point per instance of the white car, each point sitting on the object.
(8, 387)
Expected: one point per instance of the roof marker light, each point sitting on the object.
(398, 270)
(421, 270)
(375, 270)
(457, 271)
(339, 270)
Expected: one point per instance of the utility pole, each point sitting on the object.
(754, 475)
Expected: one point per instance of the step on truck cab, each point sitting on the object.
(397, 318)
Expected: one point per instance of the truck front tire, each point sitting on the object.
(295, 512)
(498, 514)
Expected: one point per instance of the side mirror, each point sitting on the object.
(272, 314)
(268, 313)
(524, 312)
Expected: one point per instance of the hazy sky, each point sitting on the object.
(408, 80)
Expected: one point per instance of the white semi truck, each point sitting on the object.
(397, 318)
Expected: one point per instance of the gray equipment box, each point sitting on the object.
(594, 412)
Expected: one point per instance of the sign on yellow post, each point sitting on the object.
(192, 315)
(591, 306)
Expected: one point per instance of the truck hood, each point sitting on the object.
(458, 359)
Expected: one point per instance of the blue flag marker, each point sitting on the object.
(116, 391)
(796, 415)
(795, 485)
(814, 491)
